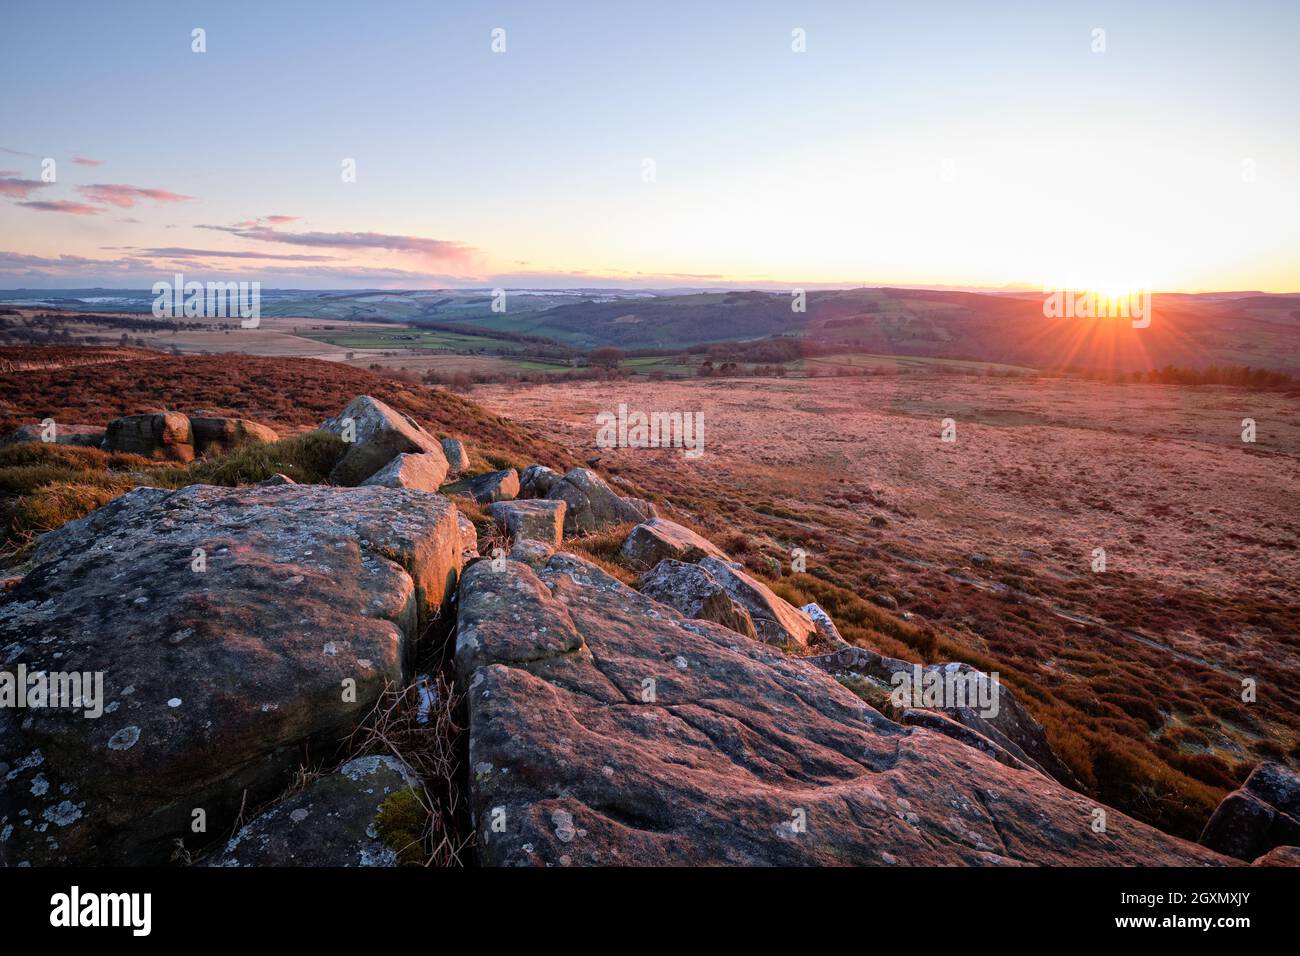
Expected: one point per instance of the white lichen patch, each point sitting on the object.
(62, 814)
(124, 739)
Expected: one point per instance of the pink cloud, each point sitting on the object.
(20, 188)
(185, 252)
(119, 194)
(281, 220)
(83, 161)
(445, 251)
(63, 205)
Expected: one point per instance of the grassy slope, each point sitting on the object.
(43, 486)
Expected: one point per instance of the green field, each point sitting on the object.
(412, 338)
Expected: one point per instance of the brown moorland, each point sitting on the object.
(978, 550)
(981, 550)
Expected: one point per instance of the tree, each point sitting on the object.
(607, 357)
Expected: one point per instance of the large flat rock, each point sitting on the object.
(605, 728)
(660, 539)
(216, 681)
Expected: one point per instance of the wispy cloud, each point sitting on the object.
(449, 253)
(260, 220)
(14, 152)
(19, 188)
(183, 252)
(64, 206)
(133, 271)
(84, 161)
(124, 196)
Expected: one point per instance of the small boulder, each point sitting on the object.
(1264, 813)
(536, 481)
(593, 504)
(420, 472)
(696, 593)
(219, 435)
(91, 436)
(336, 820)
(532, 520)
(776, 619)
(163, 435)
(493, 486)
(826, 628)
(375, 434)
(457, 456)
(276, 479)
(658, 539)
(1007, 723)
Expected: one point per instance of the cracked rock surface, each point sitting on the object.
(215, 681)
(606, 729)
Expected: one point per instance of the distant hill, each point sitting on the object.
(1190, 331)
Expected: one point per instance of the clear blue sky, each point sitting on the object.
(941, 143)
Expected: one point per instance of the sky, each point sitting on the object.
(656, 144)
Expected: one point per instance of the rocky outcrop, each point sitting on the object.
(88, 435)
(336, 820)
(536, 481)
(693, 591)
(607, 729)
(173, 436)
(214, 436)
(1011, 728)
(422, 472)
(658, 539)
(163, 435)
(457, 456)
(1263, 814)
(593, 504)
(776, 619)
(238, 631)
(531, 520)
(375, 434)
(493, 486)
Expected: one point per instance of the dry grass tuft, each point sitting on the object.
(421, 725)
